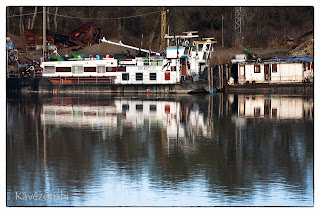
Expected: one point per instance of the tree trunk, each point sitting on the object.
(29, 24)
(34, 17)
(55, 20)
(48, 18)
(21, 21)
(151, 37)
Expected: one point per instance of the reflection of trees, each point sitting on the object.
(233, 160)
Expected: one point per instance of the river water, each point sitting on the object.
(149, 150)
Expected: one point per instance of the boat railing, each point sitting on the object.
(289, 78)
(278, 79)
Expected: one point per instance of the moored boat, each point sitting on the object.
(184, 59)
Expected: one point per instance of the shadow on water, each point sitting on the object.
(220, 149)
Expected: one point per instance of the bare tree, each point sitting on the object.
(55, 20)
(34, 17)
(21, 25)
(48, 18)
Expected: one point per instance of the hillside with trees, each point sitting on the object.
(263, 26)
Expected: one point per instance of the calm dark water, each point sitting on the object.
(214, 150)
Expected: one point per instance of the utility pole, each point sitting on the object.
(222, 32)
(163, 27)
(44, 33)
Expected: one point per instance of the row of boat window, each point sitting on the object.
(81, 69)
(139, 77)
(274, 67)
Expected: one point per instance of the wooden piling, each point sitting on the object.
(227, 73)
(209, 78)
(229, 69)
(221, 76)
(211, 82)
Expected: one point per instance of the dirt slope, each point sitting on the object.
(305, 48)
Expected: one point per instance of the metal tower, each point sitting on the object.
(239, 25)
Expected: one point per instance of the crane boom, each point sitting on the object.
(127, 46)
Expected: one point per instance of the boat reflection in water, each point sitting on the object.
(279, 107)
(122, 114)
(214, 150)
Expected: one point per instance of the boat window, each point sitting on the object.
(125, 107)
(101, 69)
(89, 69)
(77, 113)
(111, 69)
(153, 76)
(77, 69)
(139, 107)
(194, 47)
(200, 47)
(207, 47)
(204, 56)
(153, 107)
(63, 69)
(186, 50)
(306, 66)
(125, 76)
(274, 68)
(139, 76)
(49, 69)
(257, 68)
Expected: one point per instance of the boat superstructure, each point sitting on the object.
(184, 58)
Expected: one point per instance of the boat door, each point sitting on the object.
(267, 72)
(184, 66)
